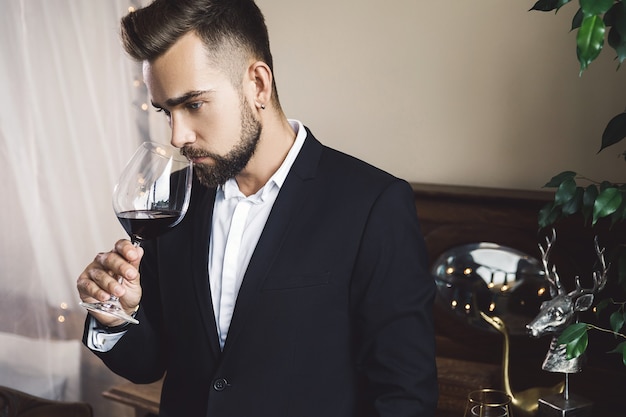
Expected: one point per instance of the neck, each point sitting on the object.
(277, 138)
(556, 359)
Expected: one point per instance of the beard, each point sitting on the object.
(225, 167)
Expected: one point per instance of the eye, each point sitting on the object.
(556, 313)
(161, 110)
(194, 105)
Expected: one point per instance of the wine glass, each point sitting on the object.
(488, 403)
(151, 196)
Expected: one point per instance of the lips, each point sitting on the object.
(194, 155)
(198, 160)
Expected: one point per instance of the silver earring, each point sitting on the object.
(262, 106)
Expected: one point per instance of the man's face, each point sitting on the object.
(211, 120)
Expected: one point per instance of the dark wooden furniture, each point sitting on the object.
(452, 216)
(143, 398)
(14, 403)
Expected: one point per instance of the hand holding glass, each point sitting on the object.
(151, 196)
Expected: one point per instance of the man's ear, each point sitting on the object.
(261, 77)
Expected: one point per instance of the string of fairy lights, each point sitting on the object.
(141, 118)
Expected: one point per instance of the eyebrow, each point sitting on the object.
(175, 101)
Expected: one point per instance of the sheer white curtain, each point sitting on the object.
(70, 118)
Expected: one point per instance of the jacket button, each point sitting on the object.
(220, 384)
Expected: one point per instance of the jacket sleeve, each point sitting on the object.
(393, 294)
(138, 355)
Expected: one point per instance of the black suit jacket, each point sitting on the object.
(333, 319)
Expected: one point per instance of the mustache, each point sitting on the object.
(191, 153)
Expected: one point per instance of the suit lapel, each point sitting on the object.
(283, 213)
(200, 275)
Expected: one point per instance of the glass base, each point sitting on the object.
(112, 308)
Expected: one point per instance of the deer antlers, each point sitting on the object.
(551, 274)
(556, 288)
(599, 277)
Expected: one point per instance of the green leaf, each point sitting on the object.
(595, 7)
(618, 215)
(559, 178)
(606, 184)
(578, 19)
(613, 17)
(607, 203)
(617, 321)
(575, 339)
(589, 40)
(561, 3)
(615, 131)
(618, 43)
(609, 16)
(621, 349)
(565, 192)
(589, 199)
(575, 204)
(616, 17)
(572, 333)
(545, 5)
(548, 215)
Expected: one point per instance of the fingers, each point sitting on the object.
(114, 265)
(101, 277)
(130, 252)
(94, 284)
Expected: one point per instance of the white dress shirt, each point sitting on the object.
(238, 222)
(237, 225)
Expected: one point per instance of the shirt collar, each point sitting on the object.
(230, 189)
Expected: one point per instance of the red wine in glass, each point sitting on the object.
(147, 224)
(151, 196)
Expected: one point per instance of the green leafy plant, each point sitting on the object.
(595, 202)
(594, 22)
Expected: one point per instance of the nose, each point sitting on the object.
(182, 132)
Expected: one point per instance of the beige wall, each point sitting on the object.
(479, 93)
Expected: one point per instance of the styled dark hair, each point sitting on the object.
(233, 31)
